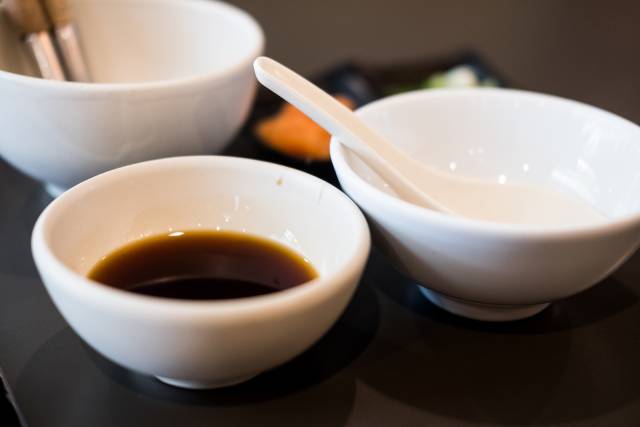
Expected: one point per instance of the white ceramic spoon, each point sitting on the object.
(415, 182)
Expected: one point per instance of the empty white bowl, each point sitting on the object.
(495, 271)
(171, 77)
(201, 344)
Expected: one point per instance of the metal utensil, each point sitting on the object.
(68, 41)
(31, 22)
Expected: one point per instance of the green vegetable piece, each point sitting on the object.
(436, 80)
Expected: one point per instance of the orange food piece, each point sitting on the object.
(292, 133)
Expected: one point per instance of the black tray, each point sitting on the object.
(392, 359)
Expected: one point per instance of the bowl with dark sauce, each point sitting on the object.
(203, 271)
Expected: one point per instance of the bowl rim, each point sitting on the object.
(221, 74)
(309, 293)
(478, 226)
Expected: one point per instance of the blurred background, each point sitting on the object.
(587, 50)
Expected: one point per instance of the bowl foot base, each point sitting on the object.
(479, 311)
(201, 385)
(53, 190)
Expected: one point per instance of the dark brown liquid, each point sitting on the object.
(203, 265)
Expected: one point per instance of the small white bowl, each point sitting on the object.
(494, 271)
(201, 344)
(171, 77)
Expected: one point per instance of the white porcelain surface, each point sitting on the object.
(418, 182)
(173, 77)
(503, 135)
(211, 343)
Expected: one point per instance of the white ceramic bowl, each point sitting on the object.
(493, 271)
(201, 344)
(172, 77)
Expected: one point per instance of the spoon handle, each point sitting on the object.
(388, 161)
(321, 107)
